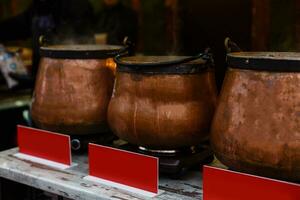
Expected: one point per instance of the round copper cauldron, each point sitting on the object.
(164, 102)
(73, 88)
(256, 128)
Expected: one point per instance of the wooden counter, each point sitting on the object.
(70, 183)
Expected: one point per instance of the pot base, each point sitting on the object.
(259, 170)
(74, 129)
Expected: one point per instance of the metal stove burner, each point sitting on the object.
(175, 163)
(158, 151)
(171, 152)
(75, 144)
(79, 143)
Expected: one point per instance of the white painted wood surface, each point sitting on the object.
(70, 183)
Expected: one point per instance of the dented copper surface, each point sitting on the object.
(256, 127)
(71, 95)
(162, 111)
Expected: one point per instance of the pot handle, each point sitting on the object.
(43, 40)
(231, 46)
(206, 55)
(128, 48)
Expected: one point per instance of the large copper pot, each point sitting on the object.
(256, 128)
(163, 104)
(73, 88)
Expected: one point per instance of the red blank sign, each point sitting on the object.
(123, 167)
(44, 144)
(220, 184)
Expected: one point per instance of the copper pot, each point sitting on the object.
(256, 128)
(73, 88)
(159, 103)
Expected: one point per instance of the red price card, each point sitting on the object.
(123, 169)
(220, 184)
(45, 147)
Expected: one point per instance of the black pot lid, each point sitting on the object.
(265, 61)
(80, 51)
(161, 64)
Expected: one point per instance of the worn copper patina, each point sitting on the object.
(72, 94)
(256, 127)
(163, 109)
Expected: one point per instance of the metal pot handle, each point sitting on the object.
(44, 40)
(127, 49)
(231, 46)
(206, 55)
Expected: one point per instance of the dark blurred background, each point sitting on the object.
(187, 27)
(158, 27)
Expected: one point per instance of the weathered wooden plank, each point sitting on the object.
(70, 183)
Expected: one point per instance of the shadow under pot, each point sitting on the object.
(73, 88)
(163, 102)
(256, 128)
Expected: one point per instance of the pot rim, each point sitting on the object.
(266, 61)
(161, 65)
(80, 51)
